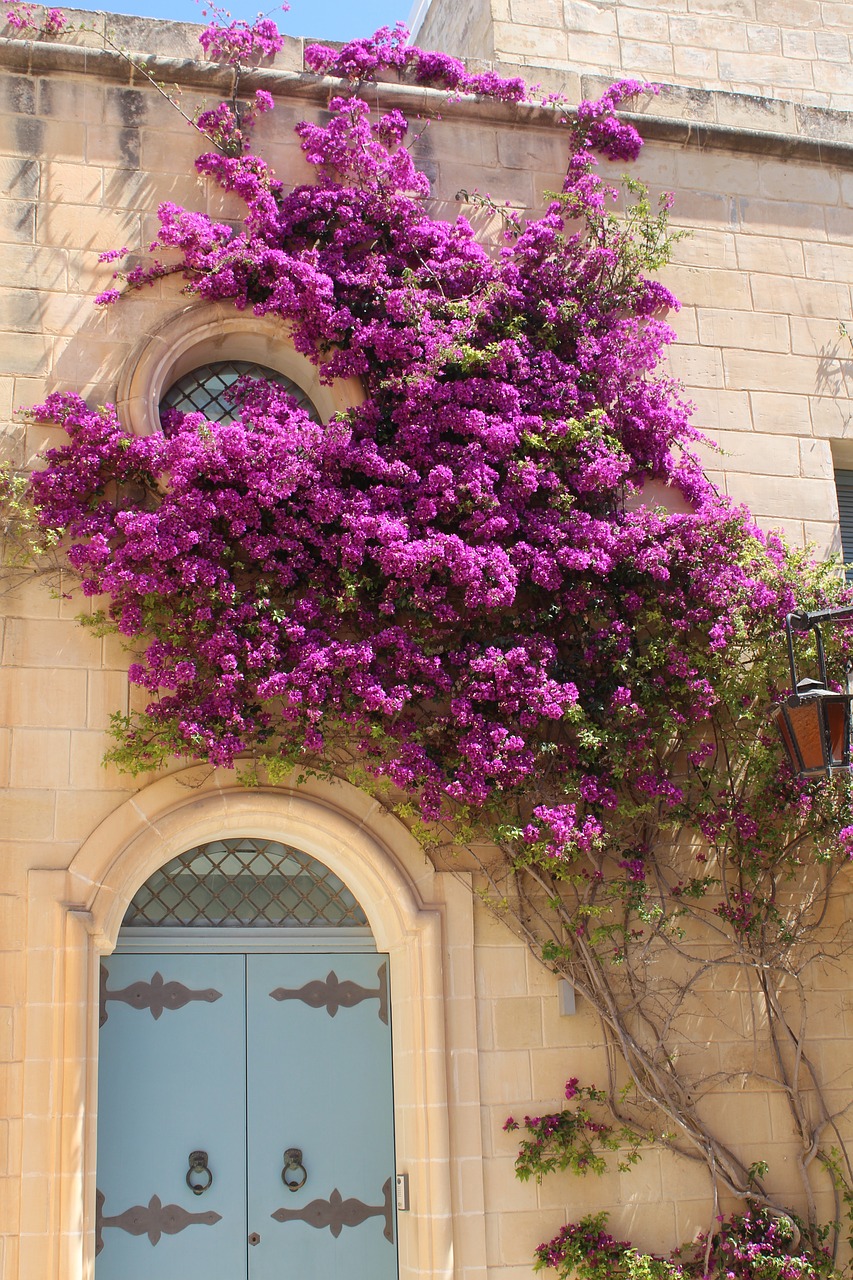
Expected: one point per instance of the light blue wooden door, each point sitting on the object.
(172, 1081)
(321, 1063)
(245, 1058)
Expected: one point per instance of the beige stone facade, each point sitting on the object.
(798, 50)
(88, 149)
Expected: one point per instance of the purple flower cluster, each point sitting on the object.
(241, 42)
(458, 578)
(23, 17)
(757, 1245)
(387, 49)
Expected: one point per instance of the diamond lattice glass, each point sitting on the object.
(206, 389)
(244, 883)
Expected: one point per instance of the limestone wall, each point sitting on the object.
(794, 49)
(87, 151)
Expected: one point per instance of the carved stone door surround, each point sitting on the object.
(421, 918)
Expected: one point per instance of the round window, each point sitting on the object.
(208, 390)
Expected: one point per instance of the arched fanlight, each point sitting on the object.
(207, 389)
(814, 722)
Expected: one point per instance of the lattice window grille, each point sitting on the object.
(244, 883)
(206, 389)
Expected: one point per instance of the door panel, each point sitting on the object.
(320, 1058)
(171, 1081)
(245, 1057)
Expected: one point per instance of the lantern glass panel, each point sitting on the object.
(838, 720)
(802, 734)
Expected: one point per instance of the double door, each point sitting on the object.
(245, 1118)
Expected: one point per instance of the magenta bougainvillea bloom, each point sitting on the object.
(458, 579)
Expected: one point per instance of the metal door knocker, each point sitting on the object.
(198, 1164)
(292, 1163)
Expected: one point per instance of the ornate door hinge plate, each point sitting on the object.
(337, 1213)
(153, 1220)
(155, 995)
(332, 994)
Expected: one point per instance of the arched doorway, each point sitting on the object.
(245, 1091)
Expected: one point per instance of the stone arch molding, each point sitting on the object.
(74, 919)
(208, 331)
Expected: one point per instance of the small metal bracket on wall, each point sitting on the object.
(566, 994)
(402, 1184)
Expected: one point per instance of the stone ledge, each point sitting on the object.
(706, 118)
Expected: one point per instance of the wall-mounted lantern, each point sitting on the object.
(815, 720)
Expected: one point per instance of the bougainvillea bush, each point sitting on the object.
(462, 594)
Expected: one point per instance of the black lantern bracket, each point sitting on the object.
(814, 722)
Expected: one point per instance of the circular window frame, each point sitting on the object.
(205, 333)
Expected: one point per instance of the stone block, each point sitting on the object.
(787, 181)
(13, 916)
(503, 1190)
(28, 354)
(527, 150)
(647, 58)
(838, 223)
(88, 771)
(537, 13)
(547, 44)
(764, 371)
(776, 218)
(829, 262)
(719, 410)
(17, 221)
(761, 38)
(704, 246)
(596, 50)
(78, 813)
(696, 366)
(706, 32)
(518, 1023)
(19, 94)
(755, 111)
(751, 452)
(767, 253)
(836, 78)
(837, 13)
(765, 70)
(645, 25)
(700, 64)
(716, 288)
(782, 414)
(43, 697)
(798, 44)
(518, 1234)
(808, 297)
(685, 325)
(20, 177)
(718, 172)
(76, 184)
(590, 17)
(505, 1077)
(781, 497)
(40, 758)
(71, 98)
(29, 815)
(757, 331)
(820, 338)
(516, 185)
(791, 13)
(831, 416)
